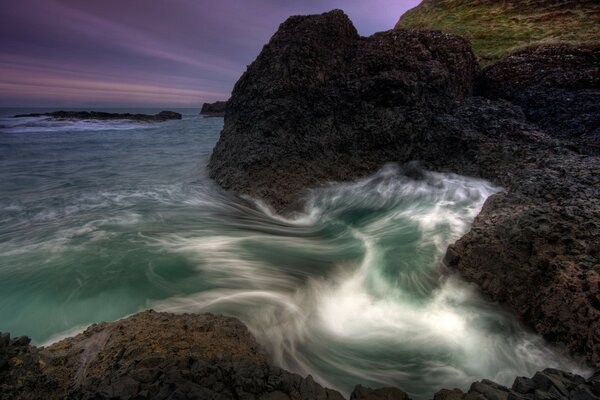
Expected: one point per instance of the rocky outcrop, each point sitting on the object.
(547, 384)
(154, 355)
(151, 356)
(558, 88)
(96, 115)
(216, 109)
(309, 111)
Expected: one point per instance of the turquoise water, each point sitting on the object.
(99, 220)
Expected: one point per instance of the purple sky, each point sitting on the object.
(147, 52)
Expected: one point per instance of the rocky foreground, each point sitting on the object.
(105, 116)
(310, 111)
(154, 355)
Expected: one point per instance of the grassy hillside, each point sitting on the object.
(496, 27)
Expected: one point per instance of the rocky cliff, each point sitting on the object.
(309, 111)
(497, 27)
(165, 356)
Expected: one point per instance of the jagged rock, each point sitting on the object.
(156, 356)
(365, 393)
(558, 87)
(96, 115)
(309, 111)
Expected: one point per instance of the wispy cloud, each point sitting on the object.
(147, 52)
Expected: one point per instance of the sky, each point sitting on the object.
(119, 53)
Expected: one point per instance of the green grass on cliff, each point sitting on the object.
(497, 27)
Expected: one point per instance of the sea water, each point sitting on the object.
(99, 220)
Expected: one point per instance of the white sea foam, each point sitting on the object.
(393, 318)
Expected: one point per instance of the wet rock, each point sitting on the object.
(365, 393)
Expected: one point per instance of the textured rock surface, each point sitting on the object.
(154, 355)
(310, 111)
(87, 115)
(547, 384)
(558, 87)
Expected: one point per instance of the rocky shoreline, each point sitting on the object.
(308, 112)
(186, 356)
(105, 116)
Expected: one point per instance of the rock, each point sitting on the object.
(558, 87)
(309, 111)
(364, 393)
(95, 115)
(188, 356)
(159, 355)
(216, 109)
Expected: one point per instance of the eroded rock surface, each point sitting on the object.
(151, 355)
(309, 111)
(154, 355)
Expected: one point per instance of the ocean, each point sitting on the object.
(99, 220)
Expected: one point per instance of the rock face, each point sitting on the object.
(96, 115)
(154, 355)
(309, 111)
(216, 109)
(557, 86)
(151, 356)
(547, 384)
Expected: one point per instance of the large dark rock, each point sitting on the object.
(99, 115)
(547, 384)
(558, 87)
(152, 355)
(309, 111)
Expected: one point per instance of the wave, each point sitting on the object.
(389, 314)
(350, 290)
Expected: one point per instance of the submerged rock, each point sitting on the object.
(96, 115)
(309, 111)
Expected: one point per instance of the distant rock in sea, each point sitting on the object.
(96, 115)
(216, 109)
